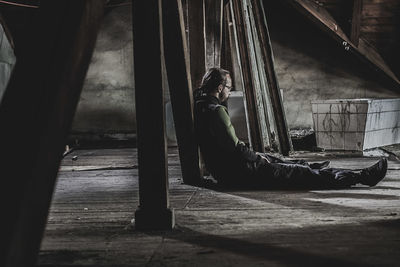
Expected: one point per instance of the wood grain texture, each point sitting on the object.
(213, 21)
(89, 221)
(196, 41)
(249, 87)
(356, 22)
(364, 51)
(378, 22)
(285, 145)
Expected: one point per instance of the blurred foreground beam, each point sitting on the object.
(35, 117)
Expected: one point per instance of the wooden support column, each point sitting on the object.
(256, 139)
(175, 53)
(35, 116)
(356, 22)
(196, 41)
(153, 212)
(213, 12)
(261, 25)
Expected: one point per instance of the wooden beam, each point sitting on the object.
(285, 144)
(366, 53)
(35, 116)
(356, 22)
(196, 41)
(213, 13)
(175, 53)
(255, 137)
(236, 66)
(153, 212)
(226, 50)
(260, 80)
(237, 81)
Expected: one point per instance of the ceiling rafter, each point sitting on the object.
(356, 22)
(323, 19)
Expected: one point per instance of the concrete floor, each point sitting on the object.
(97, 194)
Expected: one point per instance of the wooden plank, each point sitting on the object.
(356, 22)
(175, 53)
(153, 212)
(36, 114)
(226, 50)
(261, 25)
(213, 12)
(87, 223)
(255, 137)
(258, 75)
(364, 51)
(196, 41)
(235, 71)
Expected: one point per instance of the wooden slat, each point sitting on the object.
(261, 25)
(245, 227)
(356, 22)
(196, 41)
(236, 73)
(153, 212)
(257, 74)
(256, 139)
(213, 10)
(175, 53)
(36, 114)
(364, 51)
(237, 68)
(226, 50)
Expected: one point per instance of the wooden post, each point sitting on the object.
(196, 41)
(153, 212)
(35, 116)
(356, 21)
(213, 12)
(256, 139)
(175, 53)
(285, 143)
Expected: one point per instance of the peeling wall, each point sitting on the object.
(107, 103)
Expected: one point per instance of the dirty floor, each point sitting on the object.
(97, 194)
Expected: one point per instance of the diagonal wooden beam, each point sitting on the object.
(175, 53)
(356, 22)
(321, 17)
(241, 34)
(35, 117)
